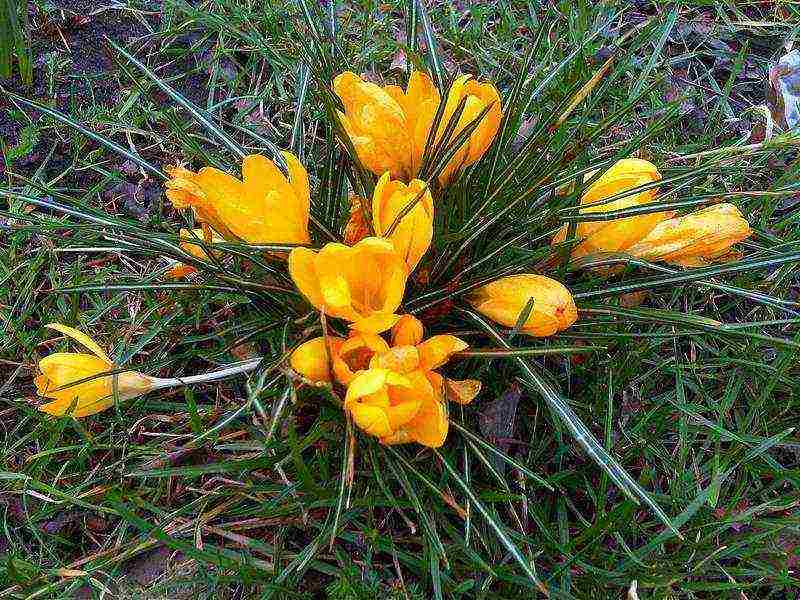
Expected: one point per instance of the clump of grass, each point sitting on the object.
(680, 419)
(15, 44)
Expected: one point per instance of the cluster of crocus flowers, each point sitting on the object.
(393, 389)
(696, 239)
(82, 384)
(390, 128)
(387, 368)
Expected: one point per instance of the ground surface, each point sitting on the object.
(668, 411)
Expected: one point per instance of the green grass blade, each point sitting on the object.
(110, 144)
(200, 115)
(434, 62)
(577, 429)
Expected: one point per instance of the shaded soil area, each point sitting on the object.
(72, 61)
(76, 71)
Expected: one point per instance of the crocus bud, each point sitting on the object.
(408, 331)
(81, 384)
(313, 359)
(616, 235)
(504, 300)
(697, 239)
(412, 206)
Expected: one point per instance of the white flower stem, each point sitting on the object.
(234, 369)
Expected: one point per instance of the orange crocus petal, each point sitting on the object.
(408, 331)
(364, 384)
(371, 419)
(377, 401)
(180, 271)
(419, 98)
(375, 323)
(405, 401)
(302, 269)
(312, 359)
(181, 189)
(298, 179)
(699, 238)
(484, 135)
(462, 391)
(82, 339)
(357, 227)
(192, 242)
(61, 371)
(437, 350)
(82, 402)
(401, 359)
(389, 127)
(355, 354)
(504, 299)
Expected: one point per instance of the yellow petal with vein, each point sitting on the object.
(81, 338)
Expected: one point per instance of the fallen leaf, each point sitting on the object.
(497, 423)
(783, 90)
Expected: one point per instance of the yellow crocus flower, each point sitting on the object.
(504, 300)
(382, 401)
(264, 207)
(616, 235)
(414, 232)
(405, 376)
(362, 284)
(389, 127)
(381, 121)
(697, 239)
(477, 97)
(61, 372)
(323, 359)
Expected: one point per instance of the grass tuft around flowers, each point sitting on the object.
(421, 315)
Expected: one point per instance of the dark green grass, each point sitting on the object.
(15, 50)
(246, 482)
